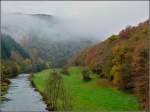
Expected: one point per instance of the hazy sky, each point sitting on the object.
(103, 17)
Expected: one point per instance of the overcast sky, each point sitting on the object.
(103, 17)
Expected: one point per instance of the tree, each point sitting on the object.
(8, 44)
(57, 95)
(140, 73)
(118, 59)
(65, 70)
(86, 74)
(15, 69)
(112, 38)
(26, 65)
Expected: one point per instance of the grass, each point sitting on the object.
(92, 95)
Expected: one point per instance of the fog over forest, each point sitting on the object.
(71, 19)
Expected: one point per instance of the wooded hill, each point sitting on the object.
(45, 37)
(56, 53)
(122, 59)
(12, 56)
(8, 45)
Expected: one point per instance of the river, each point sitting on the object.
(22, 96)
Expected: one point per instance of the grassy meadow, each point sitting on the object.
(96, 94)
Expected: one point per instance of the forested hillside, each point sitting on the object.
(9, 45)
(13, 57)
(122, 59)
(56, 53)
(46, 37)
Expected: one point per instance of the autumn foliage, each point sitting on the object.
(123, 60)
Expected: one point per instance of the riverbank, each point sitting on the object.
(4, 87)
(38, 90)
(92, 96)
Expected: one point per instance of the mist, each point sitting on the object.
(21, 26)
(70, 20)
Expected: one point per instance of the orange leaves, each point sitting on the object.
(123, 59)
(90, 56)
(140, 70)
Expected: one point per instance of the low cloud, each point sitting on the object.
(74, 19)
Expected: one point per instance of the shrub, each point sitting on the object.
(65, 71)
(57, 95)
(86, 74)
(112, 38)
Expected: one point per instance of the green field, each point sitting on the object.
(93, 95)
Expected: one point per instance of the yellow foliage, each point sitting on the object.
(27, 61)
(115, 73)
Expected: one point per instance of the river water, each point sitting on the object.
(22, 97)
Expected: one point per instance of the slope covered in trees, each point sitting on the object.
(122, 59)
(46, 37)
(55, 52)
(13, 55)
(8, 45)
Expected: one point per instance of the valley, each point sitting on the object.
(74, 56)
(88, 79)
